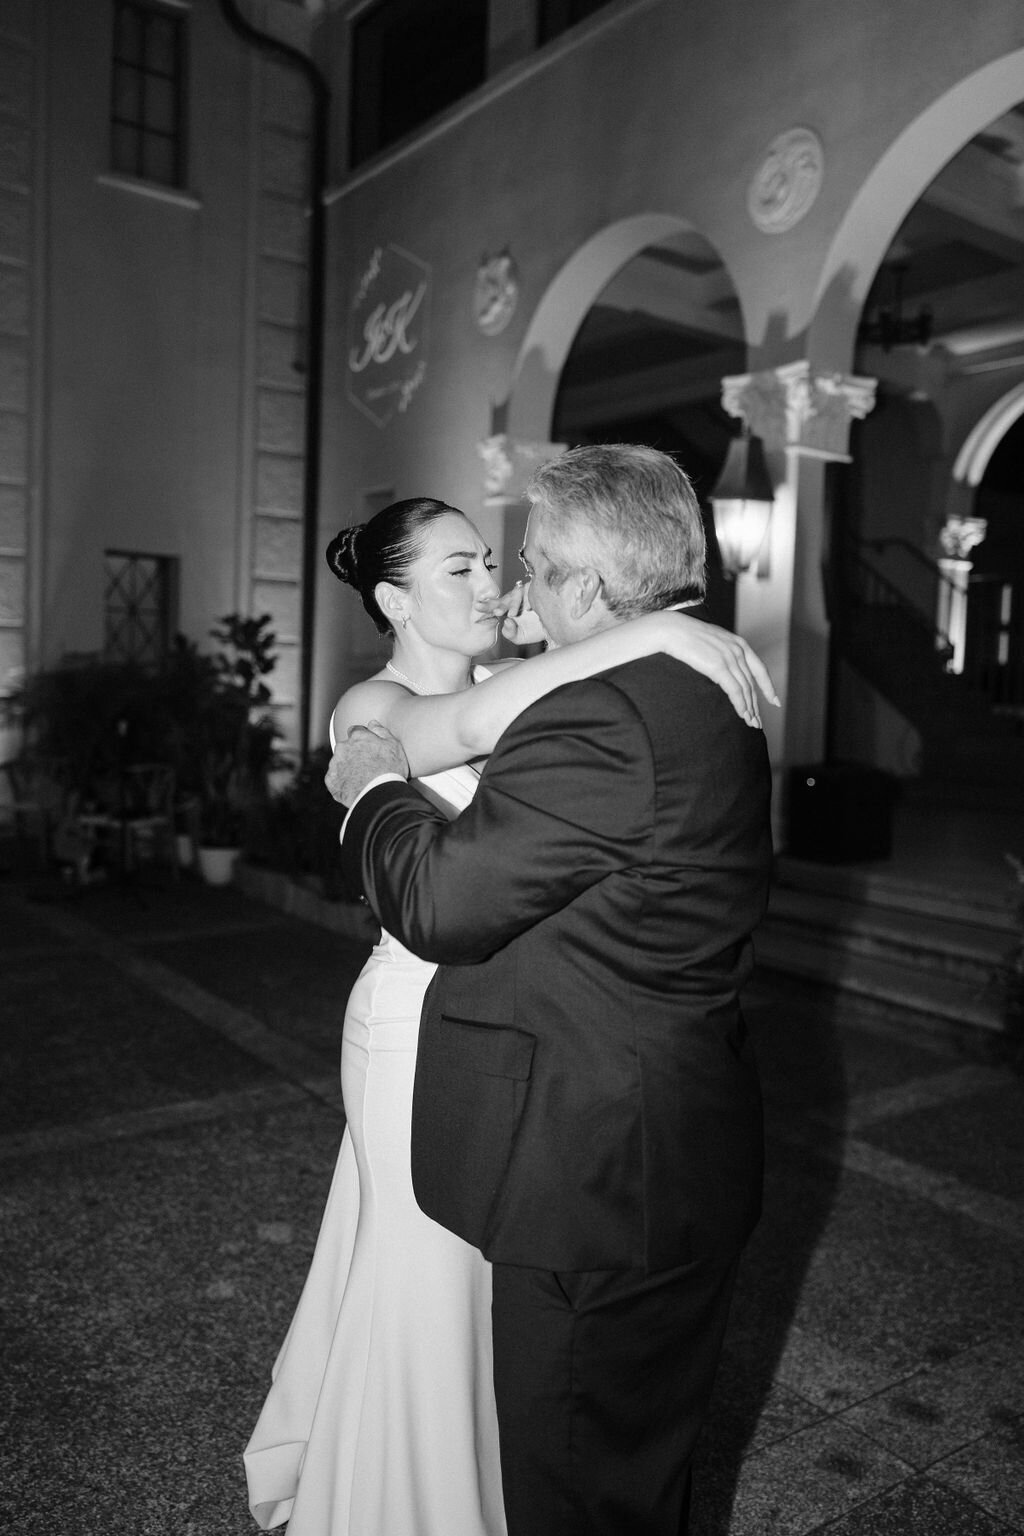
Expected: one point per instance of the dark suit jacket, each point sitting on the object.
(586, 1096)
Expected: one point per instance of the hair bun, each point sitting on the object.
(342, 555)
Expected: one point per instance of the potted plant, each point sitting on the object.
(206, 715)
(90, 715)
(84, 724)
(222, 735)
(296, 832)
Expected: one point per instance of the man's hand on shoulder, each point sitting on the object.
(366, 752)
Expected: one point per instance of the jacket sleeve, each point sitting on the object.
(566, 798)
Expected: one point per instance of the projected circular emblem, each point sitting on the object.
(787, 181)
(495, 293)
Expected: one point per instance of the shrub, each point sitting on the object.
(296, 830)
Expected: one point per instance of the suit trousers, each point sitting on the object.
(603, 1379)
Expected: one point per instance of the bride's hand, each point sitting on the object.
(723, 657)
(520, 625)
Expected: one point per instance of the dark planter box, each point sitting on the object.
(840, 812)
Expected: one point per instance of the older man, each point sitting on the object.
(587, 1110)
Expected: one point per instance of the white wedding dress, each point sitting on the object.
(381, 1420)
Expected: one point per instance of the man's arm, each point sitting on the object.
(560, 806)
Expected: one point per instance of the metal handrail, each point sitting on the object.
(894, 541)
(931, 566)
(878, 585)
(1001, 684)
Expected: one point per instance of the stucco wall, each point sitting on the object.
(163, 416)
(145, 299)
(660, 109)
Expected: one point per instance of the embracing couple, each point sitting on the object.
(553, 1149)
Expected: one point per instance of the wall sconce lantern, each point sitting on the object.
(742, 502)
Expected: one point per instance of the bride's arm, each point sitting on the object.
(444, 730)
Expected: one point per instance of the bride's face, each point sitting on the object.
(452, 589)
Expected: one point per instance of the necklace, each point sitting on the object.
(389, 666)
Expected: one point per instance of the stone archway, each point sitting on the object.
(985, 513)
(558, 316)
(898, 179)
(923, 157)
(655, 266)
(981, 442)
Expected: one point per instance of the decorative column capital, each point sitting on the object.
(789, 407)
(508, 464)
(960, 535)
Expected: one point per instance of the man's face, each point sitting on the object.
(550, 604)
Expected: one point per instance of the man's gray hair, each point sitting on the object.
(629, 513)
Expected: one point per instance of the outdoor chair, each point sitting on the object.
(133, 821)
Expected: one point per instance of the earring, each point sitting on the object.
(405, 621)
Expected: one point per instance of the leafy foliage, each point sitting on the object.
(296, 830)
(92, 717)
(226, 749)
(208, 714)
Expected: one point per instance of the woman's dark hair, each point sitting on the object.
(384, 548)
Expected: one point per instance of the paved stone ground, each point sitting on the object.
(170, 1119)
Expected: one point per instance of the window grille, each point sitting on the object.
(139, 599)
(147, 118)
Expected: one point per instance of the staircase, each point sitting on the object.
(969, 747)
(910, 952)
(922, 943)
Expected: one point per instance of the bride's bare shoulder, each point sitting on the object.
(368, 700)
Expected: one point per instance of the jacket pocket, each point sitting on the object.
(489, 1049)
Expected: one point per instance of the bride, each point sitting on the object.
(380, 1420)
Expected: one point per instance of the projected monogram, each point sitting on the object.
(387, 333)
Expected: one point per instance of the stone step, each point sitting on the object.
(897, 988)
(912, 950)
(941, 791)
(921, 940)
(876, 885)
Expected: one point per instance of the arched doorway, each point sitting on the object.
(924, 292)
(995, 614)
(646, 366)
(903, 174)
(560, 313)
(631, 344)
